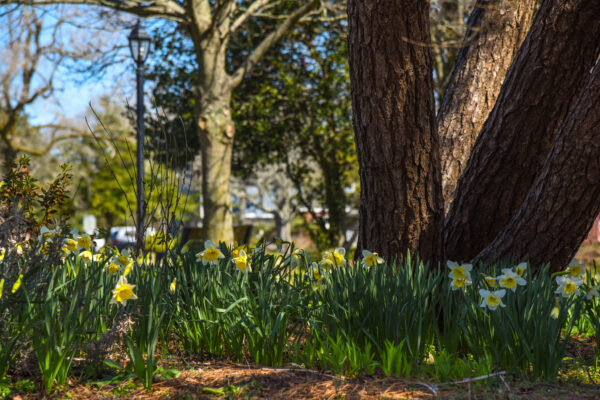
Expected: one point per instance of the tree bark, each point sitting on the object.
(216, 131)
(564, 200)
(496, 30)
(394, 122)
(548, 73)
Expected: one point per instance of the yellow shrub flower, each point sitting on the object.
(210, 254)
(371, 259)
(510, 280)
(554, 313)
(17, 284)
(241, 261)
(84, 242)
(567, 285)
(521, 268)
(462, 271)
(334, 258)
(173, 285)
(86, 255)
(123, 292)
(492, 300)
(113, 268)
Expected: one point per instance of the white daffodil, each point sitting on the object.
(568, 286)
(521, 268)
(593, 292)
(576, 269)
(493, 299)
(509, 279)
(462, 271)
(371, 259)
(211, 254)
(555, 312)
(459, 283)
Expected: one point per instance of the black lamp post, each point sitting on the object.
(139, 44)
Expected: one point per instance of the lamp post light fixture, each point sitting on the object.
(139, 44)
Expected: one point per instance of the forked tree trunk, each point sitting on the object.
(496, 30)
(548, 73)
(394, 123)
(564, 200)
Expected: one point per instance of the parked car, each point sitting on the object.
(122, 236)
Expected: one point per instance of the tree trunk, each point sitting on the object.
(216, 131)
(394, 123)
(496, 31)
(564, 200)
(548, 73)
(283, 227)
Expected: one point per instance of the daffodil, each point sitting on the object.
(125, 260)
(1, 287)
(575, 269)
(521, 268)
(113, 268)
(17, 284)
(86, 255)
(334, 258)
(568, 285)
(210, 254)
(84, 242)
(459, 283)
(241, 261)
(2, 253)
(492, 300)
(19, 248)
(593, 292)
(236, 252)
(489, 280)
(123, 292)
(371, 259)
(510, 279)
(173, 285)
(71, 245)
(554, 313)
(462, 271)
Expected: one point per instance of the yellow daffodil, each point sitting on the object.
(84, 242)
(2, 253)
(1, 287)
(173, 285)
(235, 252)
(371, 259)
(554, 313)
(459, 271)
(334, 258)
(19, 248)
(86, 255)
(241, 261)
(65, 250)
(568, 285)
(124, 260)
(510, 279)
(17, 284)
(521, 268)
(459, 283)
(113, 268)
(123, 292)
(210, 254)
(492, 300)
(575, 269)
(71, 245)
